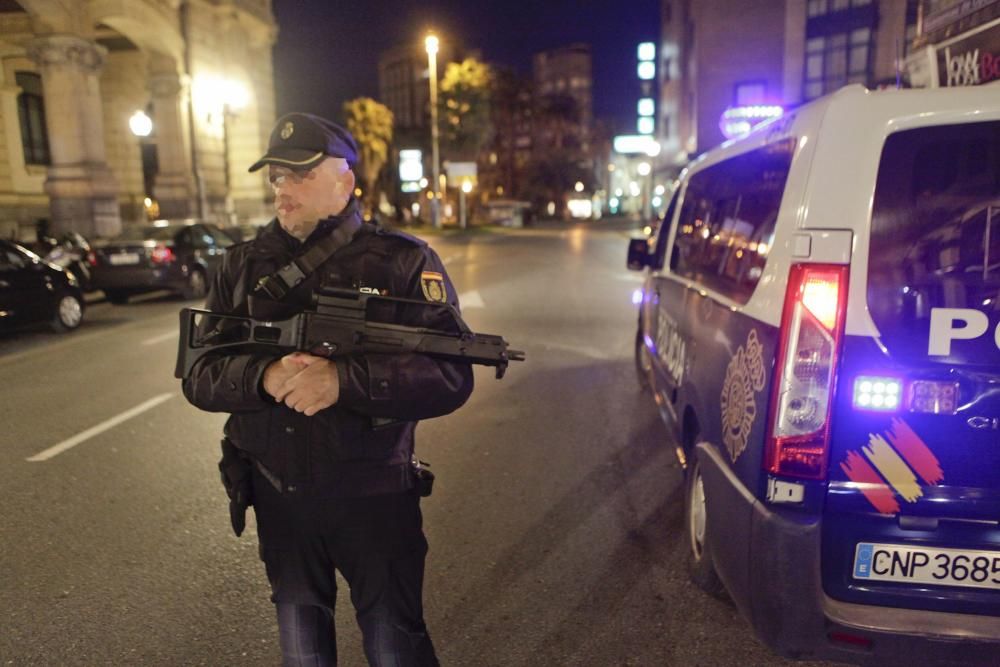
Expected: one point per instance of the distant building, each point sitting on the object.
(564, 106)
(75, 73)
(403, 83)
(769, 52)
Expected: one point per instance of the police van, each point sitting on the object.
(820, 326)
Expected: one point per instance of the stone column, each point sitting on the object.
(174, 186)
(83, 192)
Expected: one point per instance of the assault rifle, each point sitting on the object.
(341, 322)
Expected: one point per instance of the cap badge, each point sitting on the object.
(287, 130)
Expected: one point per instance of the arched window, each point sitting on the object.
(31, 113)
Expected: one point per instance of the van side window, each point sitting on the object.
(663, 233)
(726, 225)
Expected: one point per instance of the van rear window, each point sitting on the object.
(934, 263)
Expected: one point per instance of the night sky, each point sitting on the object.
(327, 50)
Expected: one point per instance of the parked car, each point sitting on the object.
(178, 256)
(820, 327)
(33, 291)
(69, 251)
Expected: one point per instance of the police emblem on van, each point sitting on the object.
(744, 380)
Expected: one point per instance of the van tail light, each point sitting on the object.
(92, 258)
(162, 255)
(812, 332)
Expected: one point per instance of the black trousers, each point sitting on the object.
(376, 542)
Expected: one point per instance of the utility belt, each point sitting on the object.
(236, 468)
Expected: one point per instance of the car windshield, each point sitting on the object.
(935, 241)
(148, 233)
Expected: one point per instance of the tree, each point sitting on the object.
(465, 108)
(371, 124)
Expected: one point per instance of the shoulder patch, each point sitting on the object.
(432, 285)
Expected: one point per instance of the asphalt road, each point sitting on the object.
(555, 525)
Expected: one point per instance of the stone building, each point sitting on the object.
(75, 72)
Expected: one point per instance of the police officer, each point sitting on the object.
(329, 442)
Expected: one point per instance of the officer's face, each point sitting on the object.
(303, 198)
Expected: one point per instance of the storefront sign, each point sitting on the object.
(971, 60)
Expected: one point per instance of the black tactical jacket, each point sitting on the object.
(338, 451)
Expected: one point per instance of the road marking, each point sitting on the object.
(100, 428)
(471, 300)
(75, 337)
(159, 339)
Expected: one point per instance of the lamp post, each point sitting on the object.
(431, 44)
(141, 126)
(234, 98)
(466, 189)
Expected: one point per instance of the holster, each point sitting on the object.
(235, 468)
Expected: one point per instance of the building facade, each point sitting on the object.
(75, 73)
(714, 60)
(564, 107)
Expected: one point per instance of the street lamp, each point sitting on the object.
(142, 127)
(431, 44)
(466, 189)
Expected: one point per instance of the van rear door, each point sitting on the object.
(914, 498)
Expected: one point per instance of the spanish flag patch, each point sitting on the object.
(432, 284)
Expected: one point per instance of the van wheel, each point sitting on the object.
(700, 564)
(69, 313)
(643, 362)
(196, 287)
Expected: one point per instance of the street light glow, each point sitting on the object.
(579, 186)
(431, 44)
(140, 124)
(643, 168)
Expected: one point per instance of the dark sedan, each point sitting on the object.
(181, 257)
(33, 291)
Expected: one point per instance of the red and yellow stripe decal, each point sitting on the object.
(890, 467)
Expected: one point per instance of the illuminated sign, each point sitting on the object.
(645, 125)
(629, 144)
(647, 107)
(647, 52)
(411, 167)
(646, 70)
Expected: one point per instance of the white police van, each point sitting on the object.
(820, 326)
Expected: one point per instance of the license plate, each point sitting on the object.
(124, 258)
(927, 565)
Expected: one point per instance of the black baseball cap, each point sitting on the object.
(302, 141)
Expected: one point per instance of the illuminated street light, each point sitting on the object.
(579, 186)
(643, 168)
(465, 189)
(431, 44)
(140, 124)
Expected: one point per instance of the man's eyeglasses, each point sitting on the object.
(278, 176)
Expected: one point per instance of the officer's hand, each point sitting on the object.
(315, 387)
(282, 370)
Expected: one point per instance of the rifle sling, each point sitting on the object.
(287, 278)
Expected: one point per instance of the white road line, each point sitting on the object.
(162, 337)
(471, 299)
(100, 428)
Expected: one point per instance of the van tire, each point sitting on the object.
(701, 567)
(643, 364)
